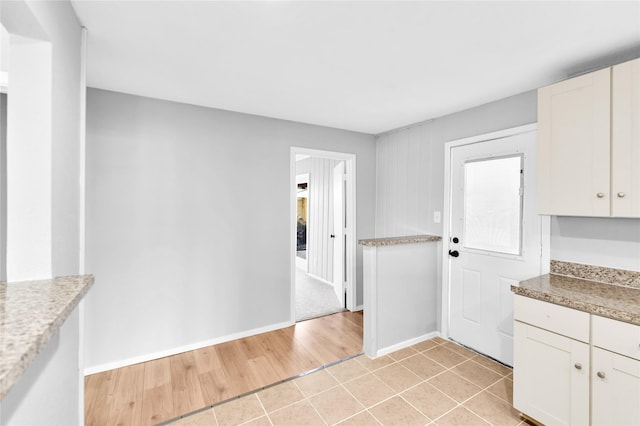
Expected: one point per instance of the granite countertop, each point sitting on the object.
(392, 241)
(619, 302)
(30, 314)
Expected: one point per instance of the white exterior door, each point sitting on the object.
(494, 241)
(338, 234)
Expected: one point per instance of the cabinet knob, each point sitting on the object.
(621, 194)
(578, 366)
(600, 195)
(601, 374)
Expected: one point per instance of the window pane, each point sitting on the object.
(493, 205)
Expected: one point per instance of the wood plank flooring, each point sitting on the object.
(159, 390)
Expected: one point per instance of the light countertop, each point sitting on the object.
(392, 241)
(30, 314)
(619, 302)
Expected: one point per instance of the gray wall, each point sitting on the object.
(188, 222)
(410, 186)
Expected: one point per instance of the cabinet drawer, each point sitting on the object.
(555, 318)
(616, 336)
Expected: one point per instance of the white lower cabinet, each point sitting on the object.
(615, 389)
(562, 377)
(551, 376)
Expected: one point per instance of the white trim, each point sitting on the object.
(446, 215)
(358, 308)
(407, 343)
(199, 345)
(350, 197)
(81, 215)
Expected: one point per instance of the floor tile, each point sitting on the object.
(503, 390)
(403, 353)
(439, 340)
(396, 411)
(477, 374)
(300, 413)
(204, 418)
(279, 396)
(460, 350)
(397, 377)
(460, 417)
(239, 411)
(423, 366)
(444, 356)
(347, 370)
(454, 386)
(361, 419)
(336, 404)
(492, 365)
(260, 421)
(315, 383)
(369, 390)
(429, 400)
(372, 364)
(493, 409)
(423, 346)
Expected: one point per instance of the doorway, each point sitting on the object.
(323, 241)
(494, 237)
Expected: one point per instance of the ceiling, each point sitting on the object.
(363, 66)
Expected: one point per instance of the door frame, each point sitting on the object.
(446, 217)
(350, 228)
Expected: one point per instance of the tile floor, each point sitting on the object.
(434, 382)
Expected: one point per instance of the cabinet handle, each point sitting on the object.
(601, 374)
(621, 194)
(578, 366)
(600, 195)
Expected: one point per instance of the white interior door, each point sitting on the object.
(338, 234)
(495, 239)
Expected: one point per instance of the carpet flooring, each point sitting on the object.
(314, 298)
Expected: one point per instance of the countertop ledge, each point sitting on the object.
(392, 241)
(31, 312)
(608, 300)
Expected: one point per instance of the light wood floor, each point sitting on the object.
(159, 390)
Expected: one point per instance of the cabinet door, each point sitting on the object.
(574, 146)
(625, 140)
(616, 389)
(551, 376)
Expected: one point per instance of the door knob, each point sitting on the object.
(578, 366)
(620, 194)
(601, 374)
(454, 253)
(332, 235)
(455, 240)
(600, 195)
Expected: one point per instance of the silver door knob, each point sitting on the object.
(601, 374)
(621, 194)
(578, 366)
(600, 195)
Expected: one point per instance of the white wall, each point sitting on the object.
(320, 210)
(410, 183)
(188, 222)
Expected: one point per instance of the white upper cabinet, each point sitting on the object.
(625, 137)
(589, 144)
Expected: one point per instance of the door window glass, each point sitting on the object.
(493, 205)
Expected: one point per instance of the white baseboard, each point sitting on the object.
(407, 343)
(173, 351)
(358, 308)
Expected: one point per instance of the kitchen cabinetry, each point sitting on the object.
(551, 362)
(615, 373)
(562, 356)
(589, 144)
